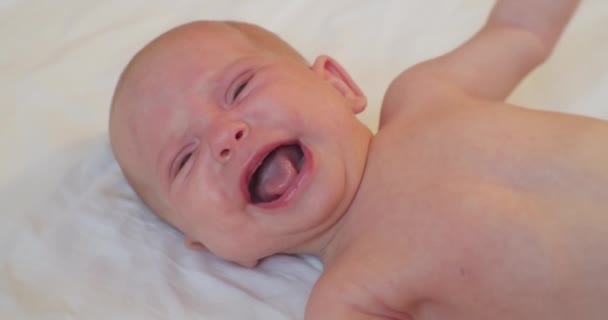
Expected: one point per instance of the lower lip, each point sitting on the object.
(292, 191)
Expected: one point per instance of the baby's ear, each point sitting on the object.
(194, 245)
(330, 70)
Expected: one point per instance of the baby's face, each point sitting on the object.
(254, 153)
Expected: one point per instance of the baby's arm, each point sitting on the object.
(518, 36)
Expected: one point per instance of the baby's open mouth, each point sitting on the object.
(276, 174)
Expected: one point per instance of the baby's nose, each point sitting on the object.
(227, 137)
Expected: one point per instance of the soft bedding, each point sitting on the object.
(75, 243)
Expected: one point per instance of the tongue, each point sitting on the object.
(277, 173)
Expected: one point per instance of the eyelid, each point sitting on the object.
(187, 151)
(242, 79)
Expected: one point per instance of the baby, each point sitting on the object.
(460, 207)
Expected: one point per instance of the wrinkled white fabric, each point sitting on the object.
(74, 241)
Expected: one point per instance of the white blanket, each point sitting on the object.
(74, 241)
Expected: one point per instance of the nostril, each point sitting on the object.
(225, 153)
(238, 135)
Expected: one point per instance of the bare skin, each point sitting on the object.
(506, 220)
(498, 212)
(460, 207)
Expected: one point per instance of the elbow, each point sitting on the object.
(534, 45)
(538, 49)
(532, 48)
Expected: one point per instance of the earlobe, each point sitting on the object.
(197, 246)
(331, 71)
(194, 245)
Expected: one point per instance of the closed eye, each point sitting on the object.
(239, 89)
(182, 162)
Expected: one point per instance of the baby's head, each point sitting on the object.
(228, 134)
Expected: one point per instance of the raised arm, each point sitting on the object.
(518, 36)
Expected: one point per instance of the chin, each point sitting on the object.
(318, 193)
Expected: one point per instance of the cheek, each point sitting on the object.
(295, 108)
(229, 240)
(210, 216)
(223, 227)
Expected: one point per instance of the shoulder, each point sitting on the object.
(331, 298)
(416, 90)
(353, 289)
(339, 295)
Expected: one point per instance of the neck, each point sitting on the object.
(338, 241)
(337, 237)
(335, 240)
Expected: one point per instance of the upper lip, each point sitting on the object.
(255, 161)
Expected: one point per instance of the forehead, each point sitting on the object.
(189, 51)
(180, 56)
(168, 68)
